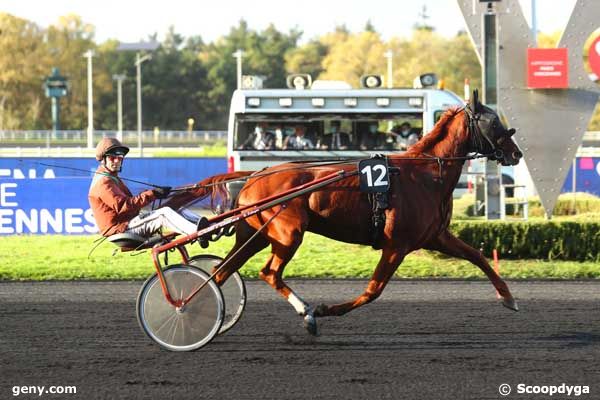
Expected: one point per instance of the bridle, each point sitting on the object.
(480, 126)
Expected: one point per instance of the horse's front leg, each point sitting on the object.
(453, 246)
(389, 262)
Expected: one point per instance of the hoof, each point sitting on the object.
(510, 303)
(310, 324)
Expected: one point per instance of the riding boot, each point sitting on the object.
(202, 224)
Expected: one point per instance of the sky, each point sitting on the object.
(118, 19)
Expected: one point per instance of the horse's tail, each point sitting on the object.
(214, 186)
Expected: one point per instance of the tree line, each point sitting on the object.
(188, 78)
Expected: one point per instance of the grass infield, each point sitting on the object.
(33, 257)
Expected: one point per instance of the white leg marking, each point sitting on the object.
(299, 305)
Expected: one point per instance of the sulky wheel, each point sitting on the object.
(185, 329)
(234, 290)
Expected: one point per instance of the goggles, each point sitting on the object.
(116, 156)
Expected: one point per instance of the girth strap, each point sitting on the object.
(380, 203)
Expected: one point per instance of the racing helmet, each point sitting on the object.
(110, 145)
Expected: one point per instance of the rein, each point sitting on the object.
(324, 163)
(88, 172)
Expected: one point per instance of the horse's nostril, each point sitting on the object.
(517, 155)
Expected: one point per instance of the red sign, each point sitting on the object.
(594, 59)
(547, 68)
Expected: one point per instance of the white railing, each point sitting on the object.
(74, 138)
(519, 201)
(79, 151)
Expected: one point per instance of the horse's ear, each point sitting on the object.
(475, 100)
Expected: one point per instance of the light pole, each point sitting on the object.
(138, 64)
(119, 78)
(389, 55)
(238, 57)
(90, 129)
(139, 46)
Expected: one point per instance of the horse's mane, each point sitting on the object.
(437, 134)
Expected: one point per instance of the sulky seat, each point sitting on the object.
(130, 241)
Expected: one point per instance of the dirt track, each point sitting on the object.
(421, 340)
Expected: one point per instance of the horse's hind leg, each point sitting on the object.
(453, 246)
(389, 262)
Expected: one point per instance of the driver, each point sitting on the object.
(116, 210)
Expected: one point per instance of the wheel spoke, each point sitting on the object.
(169, 318)
(174, 330)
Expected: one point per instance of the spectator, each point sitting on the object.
(260, 139)
(371, 139)
(298, 141)
(335, 140)
(279, 137)
(405, 137)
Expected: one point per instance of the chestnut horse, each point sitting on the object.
(420, 208)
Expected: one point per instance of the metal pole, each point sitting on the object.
(534, 23)
(119, 79)
(390, 80)
(574, 185)
(238, 56)
(138, 65)
(55, 115)
(90, 129)
(493, 173)
(120, 110)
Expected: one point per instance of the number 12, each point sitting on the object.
(368, 171)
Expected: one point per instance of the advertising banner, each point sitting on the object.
(49, 199)
(547, 68)
(587, 176)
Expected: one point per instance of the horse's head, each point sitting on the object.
(488, 135)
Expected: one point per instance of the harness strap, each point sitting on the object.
(440, 163)
(379, 202)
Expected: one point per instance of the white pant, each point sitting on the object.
(146, 224)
